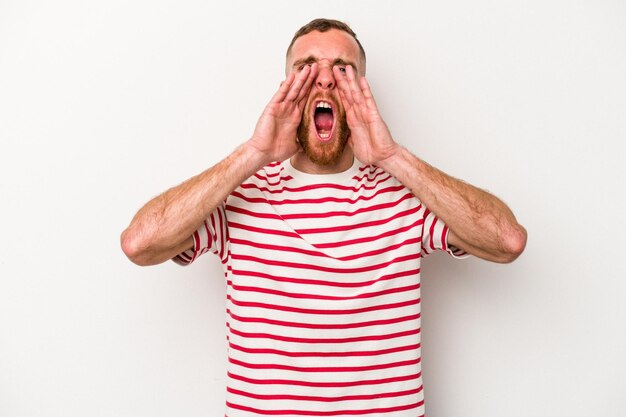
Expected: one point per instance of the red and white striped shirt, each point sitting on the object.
(323, 295)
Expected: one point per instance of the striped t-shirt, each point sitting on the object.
(323, 292)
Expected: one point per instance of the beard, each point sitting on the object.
(323, 153)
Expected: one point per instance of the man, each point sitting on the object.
(320, 220)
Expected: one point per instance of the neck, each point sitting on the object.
(302, 163)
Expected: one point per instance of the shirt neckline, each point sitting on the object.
(337, 178)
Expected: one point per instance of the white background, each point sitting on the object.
(103, 105)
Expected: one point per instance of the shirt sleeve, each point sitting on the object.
(212, 235)
(435, 237)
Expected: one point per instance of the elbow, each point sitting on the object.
(514, 243)
(133, 248)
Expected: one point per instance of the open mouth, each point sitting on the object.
(324, 120)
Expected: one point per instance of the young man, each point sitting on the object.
(320, 220)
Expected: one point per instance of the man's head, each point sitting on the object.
(323, 131)
(324, 25)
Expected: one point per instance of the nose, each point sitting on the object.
(325, 79)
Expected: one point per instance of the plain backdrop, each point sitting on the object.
(104, 105)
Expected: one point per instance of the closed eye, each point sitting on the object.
(304, 62)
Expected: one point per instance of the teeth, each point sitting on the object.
(323, 104)
(324, 135)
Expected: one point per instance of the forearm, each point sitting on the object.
(162, 228)
(480, 223)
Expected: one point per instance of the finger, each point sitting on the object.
(346, 105)
(283, 89)
(367, 93)
(342, 83)
(301, 78)
(306, 87)
(357, 94)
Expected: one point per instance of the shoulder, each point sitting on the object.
(270, 175)
(375, 176)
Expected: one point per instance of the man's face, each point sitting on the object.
(323, 131)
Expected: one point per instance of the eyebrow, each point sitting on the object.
(311, 59)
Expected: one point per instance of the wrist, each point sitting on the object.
(393, 159)
(407, 168)
(255, 157)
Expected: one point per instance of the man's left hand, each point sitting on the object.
(370, 138)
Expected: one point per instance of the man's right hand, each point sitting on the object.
(162, 228)
(275, 132)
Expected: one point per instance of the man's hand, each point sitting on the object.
(162, 228)
(370, 138)
(275, 132)
(479, 223)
